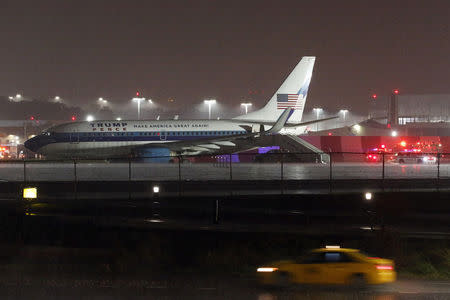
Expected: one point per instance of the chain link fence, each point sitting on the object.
(237, 167)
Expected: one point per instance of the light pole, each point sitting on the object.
(138, 100)
(246, 105)
(210, 102)
(318, 110)
(344, 112)
(16, 98)
(102, 101)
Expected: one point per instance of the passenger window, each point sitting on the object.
(337, 257)
(332, 257)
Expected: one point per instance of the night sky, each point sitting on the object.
(229, 50)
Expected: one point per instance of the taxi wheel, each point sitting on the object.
(358, 281)
(283, 279)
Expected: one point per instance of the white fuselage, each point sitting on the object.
(117, 138)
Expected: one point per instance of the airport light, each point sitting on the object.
(149, 101)
(344, 112)
(16, 98)
(394, 133)
(138, 100)
(368, 196)
(73, 118)
(119, 119)
(374, 96)
(209, 102)
(246, 105)
(396, 92)
(156, 189)
(318, 110)
(90, 118)
(102, 101)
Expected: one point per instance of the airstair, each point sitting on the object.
(294, 144)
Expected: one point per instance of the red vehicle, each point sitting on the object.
(4, 152)
(376, 154)
(374, 157)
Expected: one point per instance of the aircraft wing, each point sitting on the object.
(211, 145)
(290, 125)
(310, 122)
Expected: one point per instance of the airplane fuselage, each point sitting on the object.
(105, 139)
(99, 139)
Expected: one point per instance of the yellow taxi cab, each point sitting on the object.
(330, 265)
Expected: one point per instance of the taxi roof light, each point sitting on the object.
(332, 247)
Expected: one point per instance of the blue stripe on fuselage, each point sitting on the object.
(138, 136)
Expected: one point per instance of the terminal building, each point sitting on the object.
(391, 119)
(413, 115)
(398, 115)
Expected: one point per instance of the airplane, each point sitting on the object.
(165, 138)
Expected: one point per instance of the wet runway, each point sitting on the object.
(142, 171)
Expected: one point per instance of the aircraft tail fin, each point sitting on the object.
(291, 94)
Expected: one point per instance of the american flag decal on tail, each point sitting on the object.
(289, 101)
